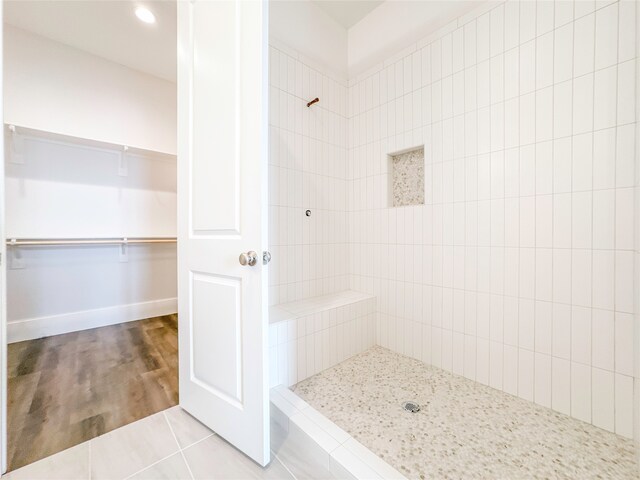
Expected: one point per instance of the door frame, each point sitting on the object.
(264, 147)
(3, 274)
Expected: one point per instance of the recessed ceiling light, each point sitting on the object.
(145, 15)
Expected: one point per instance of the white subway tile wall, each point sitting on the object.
(518, 271)
(318, 335)
(307, 171)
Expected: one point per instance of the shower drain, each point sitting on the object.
(412, 407)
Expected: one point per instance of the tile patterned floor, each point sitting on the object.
(464, 430)
(169, 445)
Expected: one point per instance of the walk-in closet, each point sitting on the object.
(90, 220)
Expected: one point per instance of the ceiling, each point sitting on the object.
(107, 28)
(110, 29)
(347, 12)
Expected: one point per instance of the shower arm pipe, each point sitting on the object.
(315, 100)
(16, 242)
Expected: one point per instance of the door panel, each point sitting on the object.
(216, 88)
(217, 345)
(222, 182)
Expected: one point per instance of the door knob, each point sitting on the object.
(266, 257)
(250, 258)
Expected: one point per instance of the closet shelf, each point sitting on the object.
(19, 242)
(23, 131)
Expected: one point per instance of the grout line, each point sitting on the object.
(552, 140)
(591, 130)
(213, 434)
(615, 216)
(275, 456)
(184, 458)
(569, 360)
(150, 465)
(164, 412)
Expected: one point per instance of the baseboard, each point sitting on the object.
(31, 328)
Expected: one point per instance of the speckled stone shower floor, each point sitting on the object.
(464, 430)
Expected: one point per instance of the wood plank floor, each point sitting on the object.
(66, 389)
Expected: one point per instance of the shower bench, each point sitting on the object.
(305, 338)
(311, 335)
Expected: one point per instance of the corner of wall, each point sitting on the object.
(636, 329)
(318, 40)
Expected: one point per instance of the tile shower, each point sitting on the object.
(477, 189)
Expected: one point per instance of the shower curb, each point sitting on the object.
(313, 447)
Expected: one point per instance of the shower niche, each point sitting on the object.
(406, 177)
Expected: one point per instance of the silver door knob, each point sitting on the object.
(250, 258)
(266, 257)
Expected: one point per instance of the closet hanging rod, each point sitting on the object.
(87, 241)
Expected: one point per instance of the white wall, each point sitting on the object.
(303, 26)
(394, 25)
(57, 290)
(52, 87)
(64, 189)
(518, 271)
(307, 170)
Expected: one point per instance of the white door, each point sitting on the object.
(222, 198)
